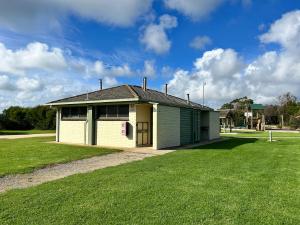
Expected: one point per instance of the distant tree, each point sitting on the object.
(238, 106)
(238, 103)
(42, 117)
(16, 118)
(19, 118)
(294, 122)
(288, 106)
(2, 122)
(227, 106)
(272, 113)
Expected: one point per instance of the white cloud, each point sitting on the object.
(122, 13)
(37, 73)
(220, 63)
(29, 84)
(154, 36)
(196, 9)
(109, 82)
(149, 68)
(200, 42)
(199, 9)
(34, 56)
(228, 76)
(5, 83)
(166, 21)
(285, 31)
(220, 69)
(102, 70)
(33, 14)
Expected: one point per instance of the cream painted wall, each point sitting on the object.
(166, 126)
(109, 133)
(143, 112)
(214, 125)
(72, 132)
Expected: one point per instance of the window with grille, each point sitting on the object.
(74, 113)
(113, 112)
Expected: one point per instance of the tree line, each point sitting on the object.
(26, 118)
(287, 108)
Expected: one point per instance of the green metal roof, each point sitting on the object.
(257, 107)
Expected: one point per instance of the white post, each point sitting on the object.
(270, 136)
(58, 118)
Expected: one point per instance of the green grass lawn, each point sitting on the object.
(26, 154)
(238, 181)
(18, 132)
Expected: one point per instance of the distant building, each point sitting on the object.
(256, 117)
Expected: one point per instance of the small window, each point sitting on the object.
(102, 111)
(112, 111)
(82, 111)
(123, 111)
(74, 112)
(65, 112)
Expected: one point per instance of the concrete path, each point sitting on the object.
(80, 166)
(26, 136)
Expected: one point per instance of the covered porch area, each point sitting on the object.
(144, 125)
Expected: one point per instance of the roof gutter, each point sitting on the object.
(92, 102)
(180, 106)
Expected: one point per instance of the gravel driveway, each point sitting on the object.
(80, 166)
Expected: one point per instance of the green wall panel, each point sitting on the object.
(186, 126)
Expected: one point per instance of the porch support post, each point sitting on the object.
(90, 126)
(58, 118)
(155, 131)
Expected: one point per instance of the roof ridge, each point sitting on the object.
(168, 95)
(132, 91)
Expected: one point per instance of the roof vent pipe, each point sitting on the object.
(145, 84)
(188, 98)
(100, 83)
(166, 89)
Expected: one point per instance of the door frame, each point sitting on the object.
(141, 131)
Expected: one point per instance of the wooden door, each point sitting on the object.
(142, 129)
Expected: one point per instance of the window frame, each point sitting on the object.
(70, 117)
(111, 118)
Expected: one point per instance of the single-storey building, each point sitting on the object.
(133, 116)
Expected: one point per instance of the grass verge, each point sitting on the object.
(20, 132)
(26, 154)
(238, 181)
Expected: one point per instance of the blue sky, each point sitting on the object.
(56, 48)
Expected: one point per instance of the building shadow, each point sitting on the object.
(227, 144)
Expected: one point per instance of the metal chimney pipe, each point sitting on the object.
(188, 98)
(166, 89)
(145, 83)
(100, 83)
